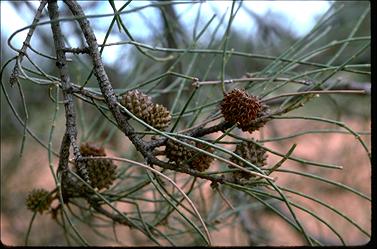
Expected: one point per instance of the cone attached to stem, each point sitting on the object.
(102, 172)
(142, 107)
(38, 200)
(247, 111)
(179, 153)
(251, 152)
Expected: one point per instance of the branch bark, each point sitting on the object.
(100, 73)
(111, 100)
(70, 135)
(14, 76)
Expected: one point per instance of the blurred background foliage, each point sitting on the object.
(270, 37)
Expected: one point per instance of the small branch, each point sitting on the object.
(366, 86)
(117, 218)
(224, 198)
(347, 68)
(84, 50)
(343, 86)
(209, 120)
(246, 80)
(64, 155)
(314, 92)
(201, 131)
(100, 73)
(205, 131)
(61, 63)
(14, 76)
(172, 182)
(76, 89)
(44, 55)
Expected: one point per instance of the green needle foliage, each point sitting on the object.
(185, 134)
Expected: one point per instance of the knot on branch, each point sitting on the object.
(59, 64)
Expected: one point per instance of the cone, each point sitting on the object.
(38, 200)
(89, 149)
(247, 111)
(102, 172)
(142, 107)
(159, 117)
(202, 162)
(261, 119)
(250, 152)
(179, 153)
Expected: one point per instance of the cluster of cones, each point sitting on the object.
(237, 107)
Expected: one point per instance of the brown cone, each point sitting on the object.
(38, 200)
(90, 149)
(159, 117)
(261, 119)
(238, 107)
(102, 172)
(142, 107)
(179, 153)
(201, 161)
(250, 152)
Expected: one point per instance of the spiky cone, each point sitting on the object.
(138, 103)
(238, 107)
(90, 149)
(261, 119)
(159, 117)
(179, 153)
(250, 152)
(38, 200)
(102, 172)
(201, 161)
(142, 107)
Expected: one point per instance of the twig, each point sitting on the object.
(224, 198)
(223, 61)
(249, 79)
(314, 92)
(114, 106)
(71, 131)
(14, 76)
(338, 123)
(366, 86)
(84, 50)
(172, 182)
(100, 73)
(347, 68)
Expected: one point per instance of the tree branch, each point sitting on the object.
(121, 119)
(14, 76)
(61, 63)
(100, 73)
